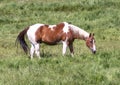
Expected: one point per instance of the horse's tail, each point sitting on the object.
(21, 40)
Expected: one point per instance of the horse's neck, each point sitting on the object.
(79, 33)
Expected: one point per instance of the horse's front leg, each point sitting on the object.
(64, 47)
(71, 49)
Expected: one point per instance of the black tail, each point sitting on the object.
(21, 40)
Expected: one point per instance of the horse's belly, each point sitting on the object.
(51, 41)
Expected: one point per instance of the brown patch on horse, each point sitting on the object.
(50, 36)
(89, 40)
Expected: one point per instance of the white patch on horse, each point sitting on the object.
(31, 32)
(94, 48)
(51, 27)
(66, 28)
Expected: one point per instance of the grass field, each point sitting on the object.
(99, 16)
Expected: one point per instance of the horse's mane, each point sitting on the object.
(78, 30)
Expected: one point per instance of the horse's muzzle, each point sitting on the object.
(94, 52)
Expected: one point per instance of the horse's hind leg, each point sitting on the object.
(32, 49)
(37, 50)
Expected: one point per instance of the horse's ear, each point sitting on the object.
(93, 34)
(90, 35)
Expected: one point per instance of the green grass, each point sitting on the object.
(99, 16)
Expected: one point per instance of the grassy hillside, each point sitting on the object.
(99, 16)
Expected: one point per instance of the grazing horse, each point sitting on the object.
(53, 34)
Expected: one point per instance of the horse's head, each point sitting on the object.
(90, 42)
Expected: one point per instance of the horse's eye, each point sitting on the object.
(91, 41)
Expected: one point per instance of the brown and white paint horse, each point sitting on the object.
(52, 35)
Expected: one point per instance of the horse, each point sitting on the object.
(62, 32)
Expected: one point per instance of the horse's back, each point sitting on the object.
(47, 33)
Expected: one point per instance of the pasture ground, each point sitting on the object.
(99, 16)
